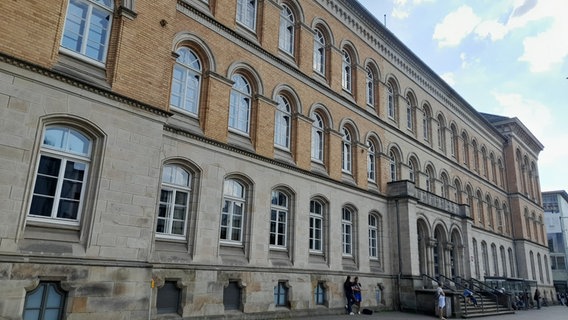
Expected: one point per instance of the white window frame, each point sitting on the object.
(390, 101)
(371, 162)
(373, 237)
(283, 123)
(279, 217)
(234, 196)
(65, 152)
(370, 83)
(346, 71)
(175, 181)
(240, 105)
(287, 30)
(409, 115)
(393, 166)
(187, 88)
(93, 7)
(318, 138)
(246, 13)
(316, 226)
(347, 232)
(319, 52)
(347, 151)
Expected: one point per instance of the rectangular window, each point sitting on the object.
(246, 13)
(319, 294)
(281, 294)
(168, 298)
(232, 296)
(87, 28)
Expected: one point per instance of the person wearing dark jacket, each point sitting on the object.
(348, 288)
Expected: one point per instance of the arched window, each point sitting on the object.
(283, 123)
(511, 262)
(490, 221)
(409, 114)
(533, 271)
(246, 13)
(347, 151)
(430, 179)
(393, 166)
(485, 256)
(411, 171)
(371, 161)
(484, 162)
(445, 186)
(240, 105)
(441, 133)
(495, 259)
(286, 41)
(317, 138)
(61, 177)
(279, 219)
(186, 81)
(476, 258)
(540, 273)
(319, 52)
(475, 155)
(373, 236)
(233, 213)
(493, 168)
(426, 123)
(316, 226)
(503, 261)
(454, 141)
(390, 101)
(465, 149)
(546, 269)
(480, 213)
(87, 28)
(175, 194)
(370, 86)
(347, 231)
(346, 74)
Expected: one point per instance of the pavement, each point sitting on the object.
(545, 313)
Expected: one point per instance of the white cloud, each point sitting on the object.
(492, 29)
(450, 78)
(456, 26)
(403, 8)
(533, 114)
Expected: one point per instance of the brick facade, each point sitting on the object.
(111, 262)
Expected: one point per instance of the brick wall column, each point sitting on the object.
(333, 155)
(262, 126)
(302, 144)
(360, 165)
(215, 115)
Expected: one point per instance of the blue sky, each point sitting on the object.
(505, 57)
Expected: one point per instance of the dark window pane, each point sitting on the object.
(68, 209)
(45, 185)
(41, 206)
(49, 166)
(75, 170)
(168, 297)
(71, 190)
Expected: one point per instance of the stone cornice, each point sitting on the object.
(82, 85)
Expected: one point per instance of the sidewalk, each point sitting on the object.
(547, 313)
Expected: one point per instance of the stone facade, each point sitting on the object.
(93, 148)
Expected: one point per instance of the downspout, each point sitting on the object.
(399, 255)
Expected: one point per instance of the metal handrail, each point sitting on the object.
(488, 290)
(459, 284)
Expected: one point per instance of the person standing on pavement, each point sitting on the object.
(348, 288)
(537, 298)
(441, 300)
(357, 294)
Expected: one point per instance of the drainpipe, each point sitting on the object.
(399, 254)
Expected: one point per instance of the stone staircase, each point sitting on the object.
(486, 306)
